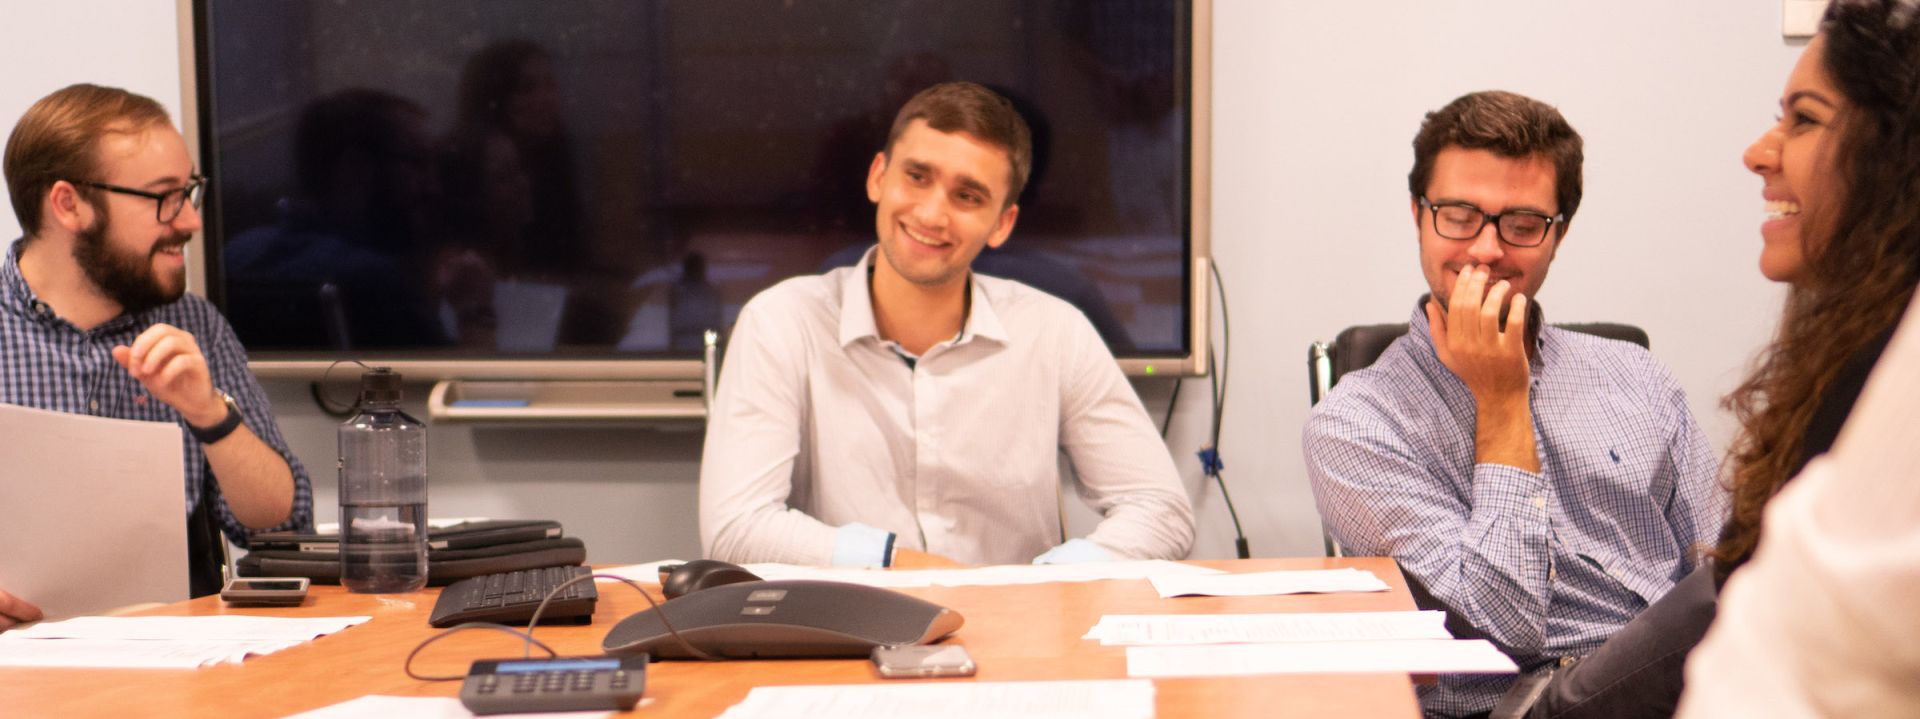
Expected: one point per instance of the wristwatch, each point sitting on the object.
(209, 435)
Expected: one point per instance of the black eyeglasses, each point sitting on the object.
(1520, 228)
(168, 204)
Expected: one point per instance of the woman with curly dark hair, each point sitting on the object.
(1841, 182)
(1842, 174)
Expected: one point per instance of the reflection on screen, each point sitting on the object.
(533, 178)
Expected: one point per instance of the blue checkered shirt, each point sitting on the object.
(1548, 565)
(47, 363)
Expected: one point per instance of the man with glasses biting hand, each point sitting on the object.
(1542, 485)
(94, 318)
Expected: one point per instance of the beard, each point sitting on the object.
(128, 278)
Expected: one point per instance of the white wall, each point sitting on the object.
(1315, 106)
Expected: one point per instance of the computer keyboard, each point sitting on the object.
(510, 598)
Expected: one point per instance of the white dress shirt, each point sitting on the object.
(1822, 621)
(819, 424)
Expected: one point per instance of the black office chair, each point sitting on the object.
(1358, 346)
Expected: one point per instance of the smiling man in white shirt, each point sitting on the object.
(906, 411)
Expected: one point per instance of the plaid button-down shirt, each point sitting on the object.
(48, 363)
(1549, 564)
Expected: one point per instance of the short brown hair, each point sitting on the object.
(973, 109)
(1509, 125)
(58, 139)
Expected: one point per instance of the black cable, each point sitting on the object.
(326, 405)
(535, 621)
(1173, 403)
(1226, 350)
(1210, 458)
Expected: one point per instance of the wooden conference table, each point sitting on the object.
(1022, 632)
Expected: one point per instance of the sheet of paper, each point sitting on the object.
(92, 511)
(160, 642)
(374, 706)
(973, 576)
(231, 627)
(1410, 656)
(1101, 699)
(1157, 629)
(131, 653)
(1256, 584)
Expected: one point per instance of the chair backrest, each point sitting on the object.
(1358, 346)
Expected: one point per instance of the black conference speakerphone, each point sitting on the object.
(559, 684)
(510, 598)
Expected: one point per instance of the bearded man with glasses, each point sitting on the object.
(94, 318)
(1542, 485)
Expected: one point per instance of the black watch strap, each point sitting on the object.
(209, 435)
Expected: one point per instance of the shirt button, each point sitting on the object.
(1565, 661)
(94, 405)
(1553, 575)
(1540, 502)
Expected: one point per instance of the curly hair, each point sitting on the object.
(1863, 257)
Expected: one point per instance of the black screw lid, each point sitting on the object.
(380, 385)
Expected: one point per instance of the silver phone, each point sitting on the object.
(919, 660)
(266, 591)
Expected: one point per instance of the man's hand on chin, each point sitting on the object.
(1491, 362)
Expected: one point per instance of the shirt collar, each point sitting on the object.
(856, 309)
(17, 296)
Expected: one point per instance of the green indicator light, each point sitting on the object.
(1149, 369)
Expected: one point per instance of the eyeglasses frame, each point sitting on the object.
(193, 192)
(1489, 218)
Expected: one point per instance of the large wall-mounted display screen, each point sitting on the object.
(451, 181)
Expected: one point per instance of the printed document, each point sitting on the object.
(1408, 656)
(968, 577)
(1259, 584)
(160, 642)
(1095, 699)
(1151, 629)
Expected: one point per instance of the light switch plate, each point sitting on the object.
(1801, 18)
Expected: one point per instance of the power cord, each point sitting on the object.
(1210, 462)
(1173, 403)
(535, 621)
(327, 406)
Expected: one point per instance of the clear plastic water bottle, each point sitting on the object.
(383, 492)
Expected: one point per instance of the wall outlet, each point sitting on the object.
(1801, 18)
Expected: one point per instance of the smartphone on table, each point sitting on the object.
(920, 660)
(266, 591)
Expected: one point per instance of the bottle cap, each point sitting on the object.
(381, 385)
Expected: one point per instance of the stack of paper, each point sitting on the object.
(1412, 656)
(975, 576)
(160, 642)
(1151, 629)
(1185, 645)
(375, 706)
(1255, 584)
(1097, 699)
